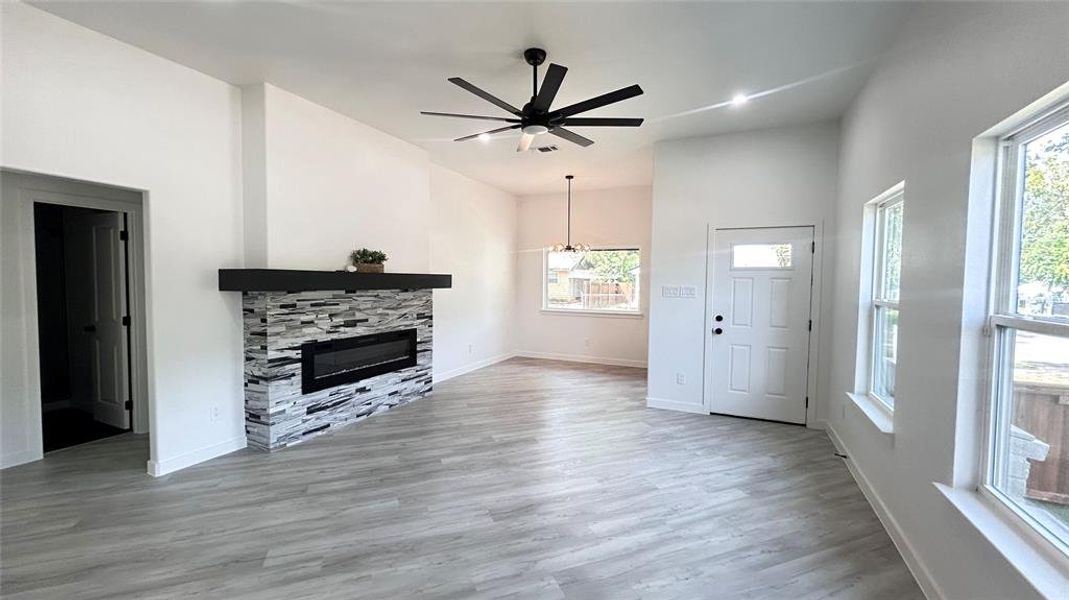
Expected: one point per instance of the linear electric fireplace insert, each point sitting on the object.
(327, 364)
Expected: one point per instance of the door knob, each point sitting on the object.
(719, 318)
(718, 331)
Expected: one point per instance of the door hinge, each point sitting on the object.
(126, 321)
(807, 401)
(813, 247)
(124, 236)
(810, 324)
(128, 404)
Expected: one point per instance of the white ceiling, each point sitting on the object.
(382, 63)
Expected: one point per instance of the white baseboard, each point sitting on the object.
(14, 459)
(676, 405)
(581, 358)
(913, 562)
(170, 465)
(475, 366)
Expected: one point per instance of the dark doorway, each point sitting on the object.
(82, 325)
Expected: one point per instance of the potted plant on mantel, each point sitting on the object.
(367, 261)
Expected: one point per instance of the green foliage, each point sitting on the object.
(365, 256)
(1045, 218)
(783, 254)
(616, 266)
(892, 240)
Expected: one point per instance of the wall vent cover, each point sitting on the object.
(547, 149)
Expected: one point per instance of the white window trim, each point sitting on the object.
(1021, 545)
(632, 314)
(875, 408)
(886, 201)
(1001, 294)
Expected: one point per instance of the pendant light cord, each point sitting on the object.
(569, 212)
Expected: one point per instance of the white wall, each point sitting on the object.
(611, 217)
(334, 183)
(81, 105)
(955, 71)
(78, 104)
(779, 177)
(473, 237)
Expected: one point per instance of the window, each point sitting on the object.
(603, 280)
(761, 256)
(1027, 464)
(884, 271)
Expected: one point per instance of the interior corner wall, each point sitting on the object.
(769, 178)
(80, 105)
(472, 237)
(254, 173)
(954, 72)
(333, 183)
(319, 184)
(608, 217)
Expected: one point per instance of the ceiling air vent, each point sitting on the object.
(547, 149)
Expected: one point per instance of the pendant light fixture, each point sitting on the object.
(567, 246)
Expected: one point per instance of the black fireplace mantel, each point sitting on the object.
(288, 280)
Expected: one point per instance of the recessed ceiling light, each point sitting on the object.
(484, 137)
(739, 100)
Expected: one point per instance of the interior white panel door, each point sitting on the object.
(97, 288)
(759, 320)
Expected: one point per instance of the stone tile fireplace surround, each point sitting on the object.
(277, 322)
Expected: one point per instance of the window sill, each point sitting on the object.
(619, 314)
(875, 411)
(1041, 565)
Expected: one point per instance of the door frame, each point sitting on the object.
(32, 188)
(812, 417)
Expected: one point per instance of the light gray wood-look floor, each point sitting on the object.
(528, 479)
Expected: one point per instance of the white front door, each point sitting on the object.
(759, 322)
(96, 296)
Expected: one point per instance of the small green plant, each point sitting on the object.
(365, 256)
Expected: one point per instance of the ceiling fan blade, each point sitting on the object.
(460, 116)
(601, 122)
(525, 143)
(485, 95)
(598, 102)
(550, 84)
(491, 132)
(571, 136)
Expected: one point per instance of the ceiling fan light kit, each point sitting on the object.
(536, 117)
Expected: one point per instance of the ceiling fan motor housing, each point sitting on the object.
(534, 56)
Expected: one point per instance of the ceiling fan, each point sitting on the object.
(536, 117)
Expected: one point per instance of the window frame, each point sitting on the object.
(1003, 319)
(876, 303)
(637, 312)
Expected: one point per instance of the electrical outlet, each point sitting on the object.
(586, 342)
(681, 379)
(471, 348)
(213, 416)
